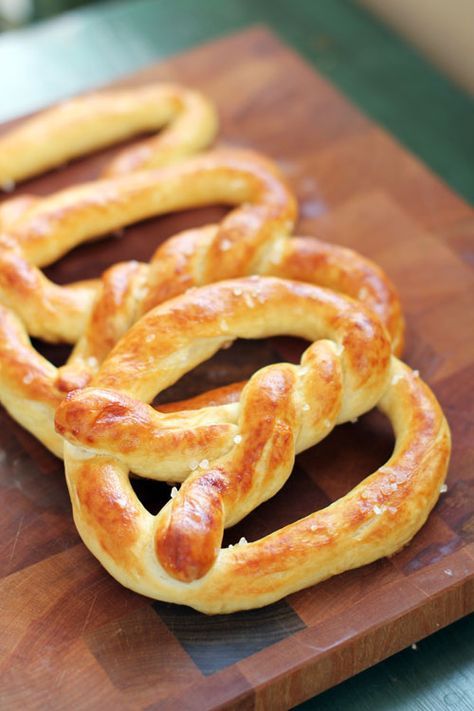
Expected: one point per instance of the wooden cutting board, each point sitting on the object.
(74, 638)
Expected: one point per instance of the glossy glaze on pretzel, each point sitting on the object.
(50, 227)
(234, 456)
(91, 122)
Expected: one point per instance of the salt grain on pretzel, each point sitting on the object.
(91, 122)
(176, 555)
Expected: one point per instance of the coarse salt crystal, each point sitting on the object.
(313, 527)
(378, 510)
(150, 338)
(443, 489)
(174, 492)
(416, 373)
(354, 420)
(448, 571)
(305, 407)
(204, 463)
(141, 293)
(242, 541)
(193, 466)
(396, 378)
(28, 378)
(80, 453)
(414, 647)
(339, 348)
(248, 300)
(304, 370)
(394, 486)
(237, 292)
(225, 245)
(363, 293)
(224, 325)
(237, 439)
(327, 424)
(92, 362)
(231, 545)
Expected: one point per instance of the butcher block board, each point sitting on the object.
(74, 638)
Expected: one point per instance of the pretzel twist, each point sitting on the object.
(246, 449)
(91, 122)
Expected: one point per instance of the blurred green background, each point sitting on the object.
(374, 66)
(15, 13)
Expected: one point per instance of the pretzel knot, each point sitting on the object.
(231, 457)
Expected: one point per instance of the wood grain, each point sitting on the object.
(71, 636)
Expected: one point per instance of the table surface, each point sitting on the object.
(99, 43)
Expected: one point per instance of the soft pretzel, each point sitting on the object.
(232, 457)
(52, 226)
(253, 237)
(83, 125)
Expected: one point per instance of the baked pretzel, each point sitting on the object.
(91, 122)
(232, 457)
(50, 227)
(251, 238)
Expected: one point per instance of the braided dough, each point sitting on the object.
(246, 449)
(254, 237)
(98, 120)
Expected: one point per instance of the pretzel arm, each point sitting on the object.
(344, 270)
(191, 128)
(99, 120)
(27, 382)
(56, 224)
(55, 313)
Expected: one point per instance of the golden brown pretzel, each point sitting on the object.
(50, 227)
(253, 237)
(232, 457)
(85, 124)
